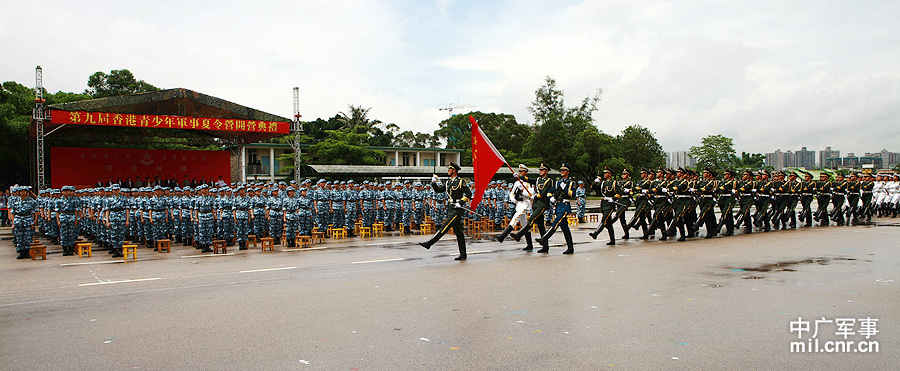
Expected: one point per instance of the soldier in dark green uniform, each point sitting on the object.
(681, 189)
(747, 192)
(707, 188)
(458, 194)
(608, 188)
(563, 192)
(662, 207)
(764, 198)
(781, 195)
(807, 192)
(838, 195)
(853, 188)
(726, 192)
(867, 186)
(642, 205)
(823, 198)
(793, 188)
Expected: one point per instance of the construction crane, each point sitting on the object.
(452, 107)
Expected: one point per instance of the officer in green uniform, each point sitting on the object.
(867, 186)
(853, 189)
(563, 192)
(458, 193)
(726, 193)
(807, 192)
(779, 204)
(681, 189)
(662, 207)
(838, 195)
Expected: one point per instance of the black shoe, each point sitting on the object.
(460, 258)
(544, 250)
(682, 238)
(645, 237)
(539, 240)
(625, 237)
(205, 249)
(425, 245)
(569, 251)
(22, 256)
(529, 249)
(117, 254)
(610, 243)
(594, 234)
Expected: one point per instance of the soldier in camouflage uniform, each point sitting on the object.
(241, 212)
(67, 219)
(24, 212)
(275, 216)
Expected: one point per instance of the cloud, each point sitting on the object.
(770, 74)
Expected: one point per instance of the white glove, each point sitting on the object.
(552, 200)
(691, 190)
(627, 190)
(734, 191)
(516, 175)
(434, 178)
(665, 190)
(753, 190)
(644, 191)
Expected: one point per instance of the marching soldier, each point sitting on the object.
(540, 201)
(867, 188)
(727, 191)
(708, 187)
(853, 189)
(838, 196)
(642, 205)
(747, 194)
(807, 191)
(458, 193)
(823, 198)
(608, 188)
(563, 191)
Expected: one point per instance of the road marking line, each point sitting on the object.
(207, 256)
(379, 261)
(122, 281)
(485, 252)
(91, 263)
(305, 249)
(268, 269)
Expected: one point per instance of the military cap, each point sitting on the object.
(406, 181)
(564, 166)
(543, 167)
(68, 188)
(580, 182)
(454, 166)
(293, 182)
(522, 167)
(320, 181)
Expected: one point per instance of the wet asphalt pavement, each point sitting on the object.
(722, 303)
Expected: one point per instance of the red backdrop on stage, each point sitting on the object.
(87, 166)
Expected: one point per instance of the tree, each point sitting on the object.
(749, 161)
(567, 134)
(640, 149)
(502, 128)
(117, 82)
(714, 152)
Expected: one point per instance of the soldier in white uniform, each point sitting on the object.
(520, 194)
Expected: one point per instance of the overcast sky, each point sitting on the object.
(780, 74)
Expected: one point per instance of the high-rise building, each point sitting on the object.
(805, 158)
(679, 159)
(775, 159)
(826, 154)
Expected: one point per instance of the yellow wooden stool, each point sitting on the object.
(84, 249)
(356, 227)
(378, 229)
(426, 228)
(164, 245)
(573, 221)
(37, 250)
(318, 236)
(593, 218)
(339, 233)
(251, 241)
(365, 232)
(130, 249)
(266, 244)
(303, 241)
(219, 245)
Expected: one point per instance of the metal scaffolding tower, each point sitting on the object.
(39, 114)
(296, 131)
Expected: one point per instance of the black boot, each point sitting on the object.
(502, 235)
(528, 246)
(242, 245)
(23, 255)
(612, 237)
(626, 229)
(545, 248)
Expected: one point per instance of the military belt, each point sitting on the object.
(684, 196)
(709, 196)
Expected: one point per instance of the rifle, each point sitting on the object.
(702, 215)
(603, 224)
(671, 229)
(665, 210)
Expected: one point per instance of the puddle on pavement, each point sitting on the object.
(784, 266)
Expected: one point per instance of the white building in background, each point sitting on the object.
(679, 159)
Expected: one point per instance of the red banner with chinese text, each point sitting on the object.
(84, 118)
(87, 166)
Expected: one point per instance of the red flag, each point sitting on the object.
(486, 160)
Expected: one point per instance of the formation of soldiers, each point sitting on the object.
(198, 215)
(682, 201)
(673, 202)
